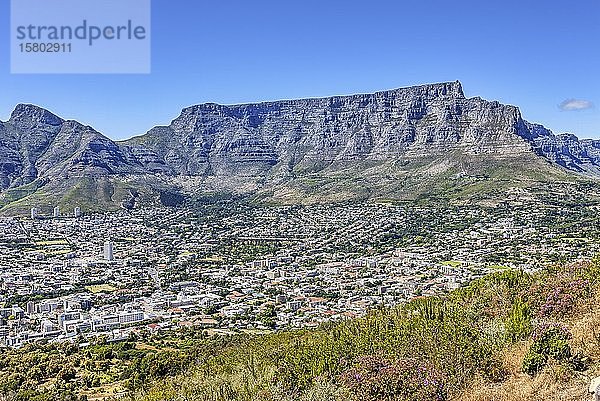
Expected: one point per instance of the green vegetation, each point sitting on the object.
(100, 288)
(88, 193)
(449, 341)
(67, 371)
(53, 242)
(550, 341)
(452, 263)
(430, 348)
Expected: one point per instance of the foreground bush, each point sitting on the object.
(550, 340)
(374, 378)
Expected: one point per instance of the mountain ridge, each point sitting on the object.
(278, 148)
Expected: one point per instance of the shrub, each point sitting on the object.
(518, 322)
(563, 297)
(550, 340)
(534, 362)
(376, 379)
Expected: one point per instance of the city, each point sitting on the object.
(234, 267)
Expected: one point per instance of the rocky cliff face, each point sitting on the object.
(24, 138)
(566, 150)
(35, 143)
(433, 128)
(256, 138)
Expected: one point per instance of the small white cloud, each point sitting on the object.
(575, 104)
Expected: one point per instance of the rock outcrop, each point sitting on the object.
(251, 147)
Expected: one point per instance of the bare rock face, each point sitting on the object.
(594, 389)
(35, 144)
(256, 139)
(27, 135)
(566, 150)
(11, 166)
(253, 146)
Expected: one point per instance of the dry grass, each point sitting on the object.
(555, 382)
(585, 327)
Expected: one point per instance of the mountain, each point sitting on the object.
(427, 140)
(45, 159)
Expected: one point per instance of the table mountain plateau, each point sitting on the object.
(406, 143)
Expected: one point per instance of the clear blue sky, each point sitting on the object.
(531, 53)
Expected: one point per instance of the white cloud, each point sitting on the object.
(575, 104)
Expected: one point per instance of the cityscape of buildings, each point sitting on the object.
(234, 267)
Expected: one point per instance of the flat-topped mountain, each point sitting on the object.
(394, 144)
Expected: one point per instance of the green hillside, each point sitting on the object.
(508, 336)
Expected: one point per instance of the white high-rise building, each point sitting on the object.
(108, 251)
(77, 212)
(34, 213)
(56, 212)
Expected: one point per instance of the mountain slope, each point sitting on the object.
(507, 336)
(46, 159)
(427, 140)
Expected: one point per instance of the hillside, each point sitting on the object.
(508, 336)
(421, 141)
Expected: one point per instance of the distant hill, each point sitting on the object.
(427, 140)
